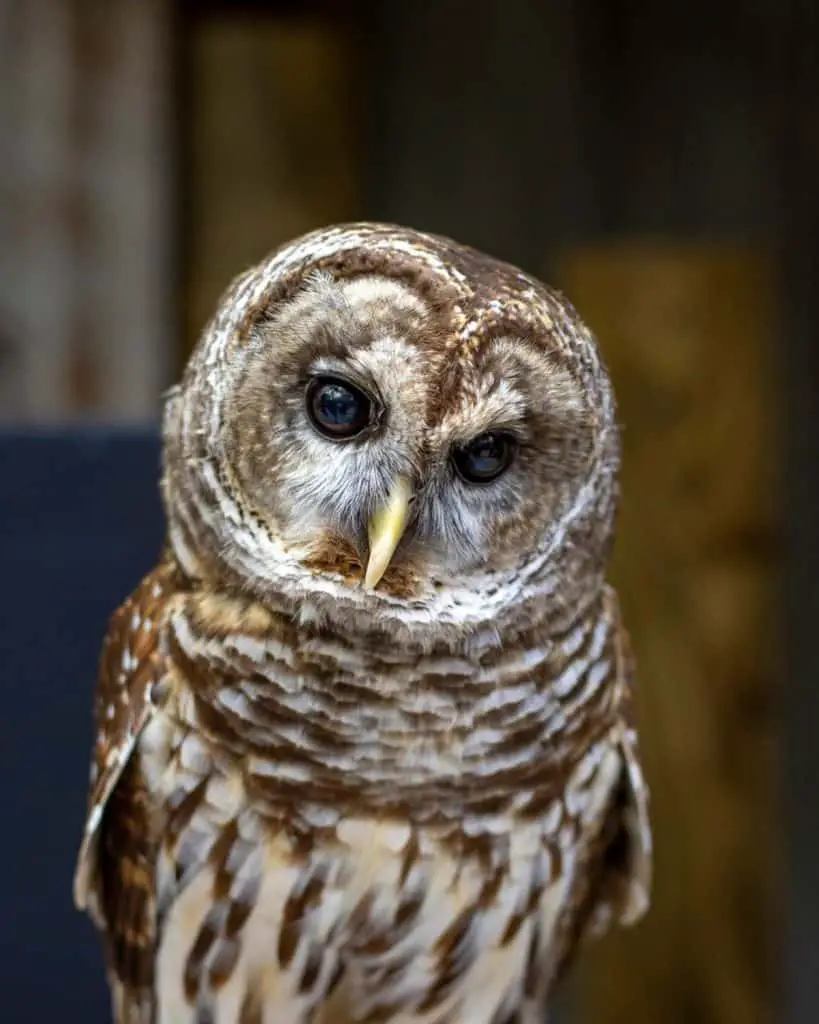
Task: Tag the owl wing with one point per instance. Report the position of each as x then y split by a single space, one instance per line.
620 889
114 879
632 895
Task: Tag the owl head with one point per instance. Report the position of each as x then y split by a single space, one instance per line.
388 429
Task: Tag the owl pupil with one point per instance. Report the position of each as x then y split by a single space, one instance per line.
337 408
338 405
485 458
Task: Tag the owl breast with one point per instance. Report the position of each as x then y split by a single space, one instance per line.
280 900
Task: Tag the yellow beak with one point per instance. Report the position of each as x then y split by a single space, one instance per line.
386 529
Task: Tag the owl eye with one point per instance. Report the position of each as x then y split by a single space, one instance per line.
485 458
337 409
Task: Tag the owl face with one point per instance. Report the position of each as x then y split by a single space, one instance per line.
393 435
348 410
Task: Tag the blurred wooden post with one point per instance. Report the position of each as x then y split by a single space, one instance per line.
270 141
86 312
685 329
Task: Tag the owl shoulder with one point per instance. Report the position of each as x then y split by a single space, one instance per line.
131 669
626 848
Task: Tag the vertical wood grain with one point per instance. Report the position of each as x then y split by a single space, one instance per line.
687 331
86 286
271 142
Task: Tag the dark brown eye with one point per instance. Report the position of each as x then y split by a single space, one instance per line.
485 458
337 408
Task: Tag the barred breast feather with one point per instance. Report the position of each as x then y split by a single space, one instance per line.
286 827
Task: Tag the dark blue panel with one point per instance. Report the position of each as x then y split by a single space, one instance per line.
80 522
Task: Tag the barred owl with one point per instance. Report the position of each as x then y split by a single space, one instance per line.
365 745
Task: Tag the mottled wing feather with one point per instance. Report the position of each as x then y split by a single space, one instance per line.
614 887
621 889
630 884
114 880
126 894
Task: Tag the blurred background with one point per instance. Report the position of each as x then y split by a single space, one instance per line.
658 162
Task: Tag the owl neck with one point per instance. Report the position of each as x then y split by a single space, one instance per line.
351 720
470 618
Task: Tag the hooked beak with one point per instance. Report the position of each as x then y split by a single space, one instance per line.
386 529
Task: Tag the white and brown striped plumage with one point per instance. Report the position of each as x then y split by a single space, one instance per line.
317 801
